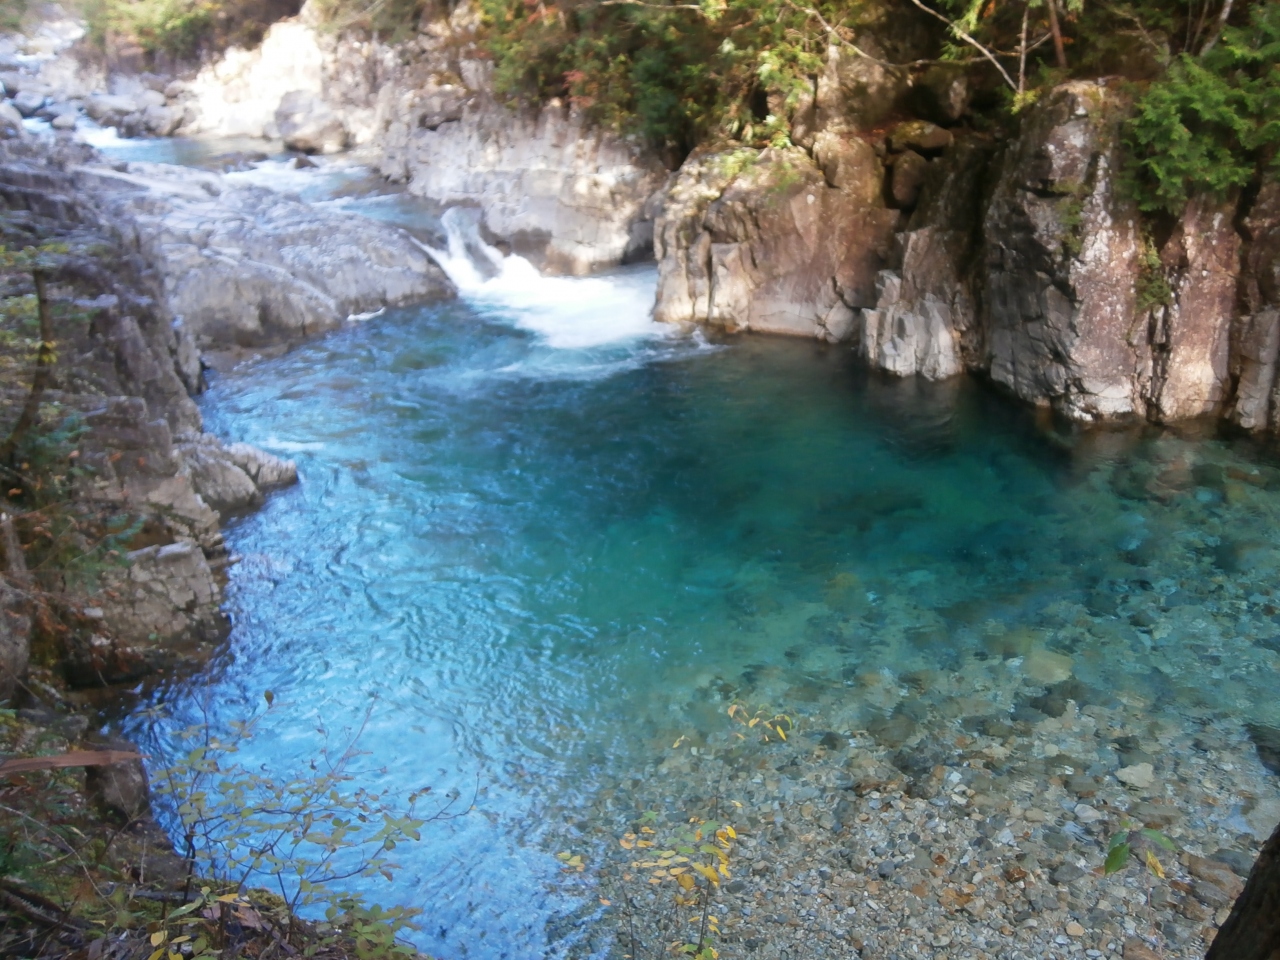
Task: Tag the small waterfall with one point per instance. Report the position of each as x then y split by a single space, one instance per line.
568 313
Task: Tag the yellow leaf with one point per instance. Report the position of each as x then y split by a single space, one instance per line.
780 732
229 898
1154 864
647 830
730 831
682 739
182 939
157 954
627 844
736 804
644 844
686 882
607 903
159 937
753 721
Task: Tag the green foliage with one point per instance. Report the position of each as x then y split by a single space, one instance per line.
1207 126
676 73
304 834
175 27
1151 284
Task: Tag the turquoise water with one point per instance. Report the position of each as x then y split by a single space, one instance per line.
541 560
540 538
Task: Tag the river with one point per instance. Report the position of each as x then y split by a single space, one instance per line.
539 538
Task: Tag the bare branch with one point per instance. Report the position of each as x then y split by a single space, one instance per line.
1223 17
955 28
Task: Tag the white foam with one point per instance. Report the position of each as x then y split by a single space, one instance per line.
102 138
282 176
361 317
567 313
290 446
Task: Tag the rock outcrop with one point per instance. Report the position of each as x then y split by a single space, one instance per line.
245 266
774 241
1060 317
571 196
127 372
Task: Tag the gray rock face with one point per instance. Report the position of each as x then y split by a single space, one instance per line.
127 372
308 124
244 266
774 241
28 102
232 478
166 595
571 196
1256 344
1062 323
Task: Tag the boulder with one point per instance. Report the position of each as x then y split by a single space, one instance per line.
161 120
231 478
166 595
10 120
942 92
243 266
28 102
308 124
107 109
119 791
906 178
921 136
63 121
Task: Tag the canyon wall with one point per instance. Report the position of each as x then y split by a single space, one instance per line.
573 197
165 264
934 251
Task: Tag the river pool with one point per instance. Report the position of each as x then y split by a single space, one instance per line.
538 539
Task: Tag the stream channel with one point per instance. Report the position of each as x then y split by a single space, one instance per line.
538 538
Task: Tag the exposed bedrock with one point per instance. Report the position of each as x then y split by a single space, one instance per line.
937 251
243 266
774 241
128 371
572 196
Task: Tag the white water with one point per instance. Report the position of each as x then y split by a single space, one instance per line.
567 313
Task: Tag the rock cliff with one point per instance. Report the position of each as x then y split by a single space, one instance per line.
935 251
166 263
573 197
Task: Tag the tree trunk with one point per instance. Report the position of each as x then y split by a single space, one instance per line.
1058 51
1252 932
39 380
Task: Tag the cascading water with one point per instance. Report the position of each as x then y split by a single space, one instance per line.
566 312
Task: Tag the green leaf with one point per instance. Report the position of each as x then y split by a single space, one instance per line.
1116 859
1159 838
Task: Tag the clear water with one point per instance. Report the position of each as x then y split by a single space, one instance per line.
548 536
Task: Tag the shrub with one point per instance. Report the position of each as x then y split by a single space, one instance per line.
1213 120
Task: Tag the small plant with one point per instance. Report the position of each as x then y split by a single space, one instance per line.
302 835
1128 842
1151 285
688 861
